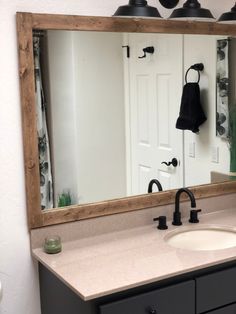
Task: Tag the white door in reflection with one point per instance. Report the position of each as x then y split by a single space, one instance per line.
152 106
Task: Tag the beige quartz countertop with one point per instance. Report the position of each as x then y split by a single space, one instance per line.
101 265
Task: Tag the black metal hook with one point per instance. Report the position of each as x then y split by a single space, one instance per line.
146 50
199 67
127 50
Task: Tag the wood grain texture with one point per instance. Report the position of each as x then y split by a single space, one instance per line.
133 25
26 23
80 212
27 88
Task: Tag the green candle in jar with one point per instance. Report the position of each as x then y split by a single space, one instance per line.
52 245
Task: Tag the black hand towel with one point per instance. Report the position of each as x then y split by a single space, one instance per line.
191 114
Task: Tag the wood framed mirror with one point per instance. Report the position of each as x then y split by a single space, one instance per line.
27 23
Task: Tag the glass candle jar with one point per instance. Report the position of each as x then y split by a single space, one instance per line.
52 245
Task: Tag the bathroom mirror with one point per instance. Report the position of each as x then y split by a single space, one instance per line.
107 136
110 114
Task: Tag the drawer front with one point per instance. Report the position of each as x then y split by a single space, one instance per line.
216 290
231 309
176 299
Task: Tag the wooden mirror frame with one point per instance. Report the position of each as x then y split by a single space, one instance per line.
26 23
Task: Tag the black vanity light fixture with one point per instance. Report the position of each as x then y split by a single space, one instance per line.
192 10
137 8
140 8
229 17
169 4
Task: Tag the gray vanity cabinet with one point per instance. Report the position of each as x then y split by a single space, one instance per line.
231 309
216 290
177 299
205 291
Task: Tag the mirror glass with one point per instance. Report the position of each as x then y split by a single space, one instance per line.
107 108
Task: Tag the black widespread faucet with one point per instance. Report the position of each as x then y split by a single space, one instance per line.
177 214
158 184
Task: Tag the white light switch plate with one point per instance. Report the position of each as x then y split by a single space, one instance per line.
191 150
215 154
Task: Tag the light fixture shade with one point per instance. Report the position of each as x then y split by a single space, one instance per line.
192 10
169 4
229 17
137 8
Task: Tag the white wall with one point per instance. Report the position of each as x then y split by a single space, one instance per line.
17 271
198 169
100 116
62 107
87 120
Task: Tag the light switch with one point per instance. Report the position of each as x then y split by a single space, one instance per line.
215 154
191 150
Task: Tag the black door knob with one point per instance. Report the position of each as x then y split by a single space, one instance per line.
146 50
173 162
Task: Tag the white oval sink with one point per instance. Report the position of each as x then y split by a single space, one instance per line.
205 238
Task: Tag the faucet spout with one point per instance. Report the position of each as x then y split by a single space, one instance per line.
177 214
158 184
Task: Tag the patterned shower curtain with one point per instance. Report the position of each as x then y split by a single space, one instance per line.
222 84
46 187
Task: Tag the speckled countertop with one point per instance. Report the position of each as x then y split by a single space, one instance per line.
107 263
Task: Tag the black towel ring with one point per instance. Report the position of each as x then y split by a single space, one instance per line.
197 67
186 76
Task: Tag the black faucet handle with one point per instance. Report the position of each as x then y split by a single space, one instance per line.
162 222
194 216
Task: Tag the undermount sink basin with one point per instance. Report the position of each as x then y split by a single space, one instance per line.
205 238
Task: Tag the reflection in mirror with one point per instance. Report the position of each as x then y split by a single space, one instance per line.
107 118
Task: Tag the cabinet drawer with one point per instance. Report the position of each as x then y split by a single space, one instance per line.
231 309
177 299
216 290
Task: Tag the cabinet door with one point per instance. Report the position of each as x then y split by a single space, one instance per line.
177 299
231 309
216 290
